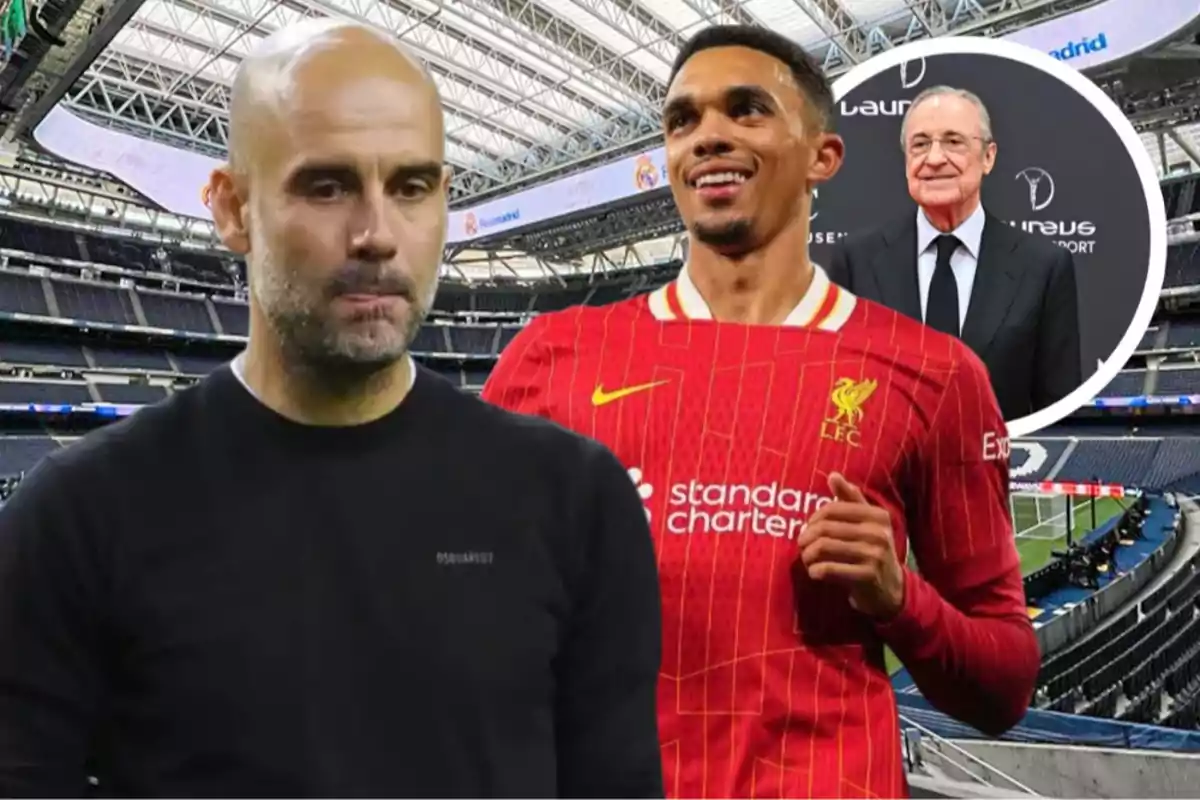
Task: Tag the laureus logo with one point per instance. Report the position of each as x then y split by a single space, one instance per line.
912 72
1041 187
820 236
1076 235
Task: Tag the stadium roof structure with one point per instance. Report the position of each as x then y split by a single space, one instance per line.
532 89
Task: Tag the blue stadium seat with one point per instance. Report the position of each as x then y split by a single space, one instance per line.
52 353
1128 383
118 358
507 334
1176 466
1183 265
32 238
494 300
431 339
1145 660
472 339
22 294
234 317
190 364
44 392
21 453
1178 381
603 295
563 298
176 312
93 301
474 377
1183 333
130 393
1123 461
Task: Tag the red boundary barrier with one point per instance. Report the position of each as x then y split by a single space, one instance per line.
1077 489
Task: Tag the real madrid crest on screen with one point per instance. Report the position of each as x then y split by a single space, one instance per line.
645 173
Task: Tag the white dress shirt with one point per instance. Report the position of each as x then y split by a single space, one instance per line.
963 262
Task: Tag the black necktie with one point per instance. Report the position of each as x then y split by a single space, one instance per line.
941 310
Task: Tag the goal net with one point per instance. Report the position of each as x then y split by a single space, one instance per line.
1041 515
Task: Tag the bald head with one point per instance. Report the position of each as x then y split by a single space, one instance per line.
305 67
335 191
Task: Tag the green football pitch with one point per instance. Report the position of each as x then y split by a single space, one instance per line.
1036 540
1041 530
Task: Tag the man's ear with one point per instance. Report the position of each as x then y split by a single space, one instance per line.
828 153
228 210
990 150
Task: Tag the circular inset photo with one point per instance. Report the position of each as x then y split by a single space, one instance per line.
995 193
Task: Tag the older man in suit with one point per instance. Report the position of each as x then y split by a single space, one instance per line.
1008 294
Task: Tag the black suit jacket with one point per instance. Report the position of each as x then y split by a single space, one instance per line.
1023 315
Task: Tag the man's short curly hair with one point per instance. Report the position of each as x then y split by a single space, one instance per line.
804 69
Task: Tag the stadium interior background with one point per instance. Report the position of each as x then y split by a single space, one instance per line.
111 299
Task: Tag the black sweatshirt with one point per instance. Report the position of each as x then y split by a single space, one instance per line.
208 600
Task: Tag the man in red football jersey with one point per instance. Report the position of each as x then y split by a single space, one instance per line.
791 443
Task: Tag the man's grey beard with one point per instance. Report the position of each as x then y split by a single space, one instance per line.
314 340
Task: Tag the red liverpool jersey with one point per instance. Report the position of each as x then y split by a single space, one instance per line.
772 685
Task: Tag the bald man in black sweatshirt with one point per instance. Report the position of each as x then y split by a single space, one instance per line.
324 570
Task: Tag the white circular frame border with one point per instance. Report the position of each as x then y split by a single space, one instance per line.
1156 268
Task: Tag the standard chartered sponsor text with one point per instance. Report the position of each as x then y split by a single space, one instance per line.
765 510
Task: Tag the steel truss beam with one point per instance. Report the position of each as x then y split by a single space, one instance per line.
847 36
181 33
125 91
1181 197
510 124
36 165
526 18
48 64
850 44
1156 104
998 17
512 118
91 202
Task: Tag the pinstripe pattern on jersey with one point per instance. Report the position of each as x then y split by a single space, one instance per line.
771 685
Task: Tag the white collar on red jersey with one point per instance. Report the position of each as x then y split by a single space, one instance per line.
825 306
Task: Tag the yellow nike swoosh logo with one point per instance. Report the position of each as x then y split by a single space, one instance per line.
603 398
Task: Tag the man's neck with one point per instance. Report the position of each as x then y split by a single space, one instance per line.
761 288
949 218
306 396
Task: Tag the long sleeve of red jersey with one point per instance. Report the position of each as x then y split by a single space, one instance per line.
963 632
520 378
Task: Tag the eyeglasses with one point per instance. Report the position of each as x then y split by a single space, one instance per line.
953 143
